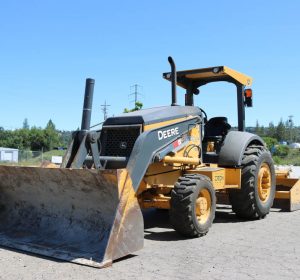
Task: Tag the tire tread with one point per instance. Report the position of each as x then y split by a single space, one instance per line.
181 212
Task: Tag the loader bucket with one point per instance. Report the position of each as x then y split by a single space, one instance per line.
85 216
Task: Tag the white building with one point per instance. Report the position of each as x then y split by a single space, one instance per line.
9 155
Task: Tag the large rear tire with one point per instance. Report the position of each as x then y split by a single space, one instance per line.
256 196
193 205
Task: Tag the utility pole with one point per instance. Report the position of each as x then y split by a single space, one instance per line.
104 110
135 91
291 126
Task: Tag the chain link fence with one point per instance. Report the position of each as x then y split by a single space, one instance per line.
282 155
30 158
34 158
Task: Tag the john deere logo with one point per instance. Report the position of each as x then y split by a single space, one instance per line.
163 134
123 145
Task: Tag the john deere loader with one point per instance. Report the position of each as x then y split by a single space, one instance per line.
88 211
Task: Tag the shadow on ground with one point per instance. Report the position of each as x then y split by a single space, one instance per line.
125 258
157 225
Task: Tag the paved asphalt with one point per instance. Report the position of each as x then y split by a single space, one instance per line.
233 249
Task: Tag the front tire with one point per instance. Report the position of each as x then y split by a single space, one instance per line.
255 198
193 205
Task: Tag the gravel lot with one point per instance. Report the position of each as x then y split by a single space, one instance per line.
233 249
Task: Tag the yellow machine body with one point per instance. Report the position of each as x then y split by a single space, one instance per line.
158 182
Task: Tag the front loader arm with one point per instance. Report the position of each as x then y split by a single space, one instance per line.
153 145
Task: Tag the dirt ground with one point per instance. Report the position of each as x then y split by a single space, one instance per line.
233 249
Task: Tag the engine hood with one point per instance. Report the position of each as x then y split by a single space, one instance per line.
154 115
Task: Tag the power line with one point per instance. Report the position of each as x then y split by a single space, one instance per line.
104 110
135 91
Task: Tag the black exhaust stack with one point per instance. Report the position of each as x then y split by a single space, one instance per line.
84 141
87 106
173 80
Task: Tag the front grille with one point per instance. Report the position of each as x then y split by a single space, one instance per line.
118 141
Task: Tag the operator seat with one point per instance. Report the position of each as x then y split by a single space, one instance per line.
215 131
216 128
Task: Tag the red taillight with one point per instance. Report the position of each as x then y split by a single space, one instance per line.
248 93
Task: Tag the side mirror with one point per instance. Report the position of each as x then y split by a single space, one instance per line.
248 97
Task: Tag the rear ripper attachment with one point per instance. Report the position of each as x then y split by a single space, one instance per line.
287 194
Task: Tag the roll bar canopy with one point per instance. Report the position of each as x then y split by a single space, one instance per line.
202 76
191 80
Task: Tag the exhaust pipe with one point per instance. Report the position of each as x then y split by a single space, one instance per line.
77 150
87 106
174 81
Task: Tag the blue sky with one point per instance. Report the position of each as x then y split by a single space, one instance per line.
49 48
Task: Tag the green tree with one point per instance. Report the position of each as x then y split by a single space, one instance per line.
6 138
271 130
50 125
297 134
256 127
138 106
65 138
261 131
22 138
37 139
25 124
51 136
281 131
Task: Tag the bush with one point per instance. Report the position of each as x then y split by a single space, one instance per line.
277 160
270 142
281 150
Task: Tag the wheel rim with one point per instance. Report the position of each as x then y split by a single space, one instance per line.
203 206
264 182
